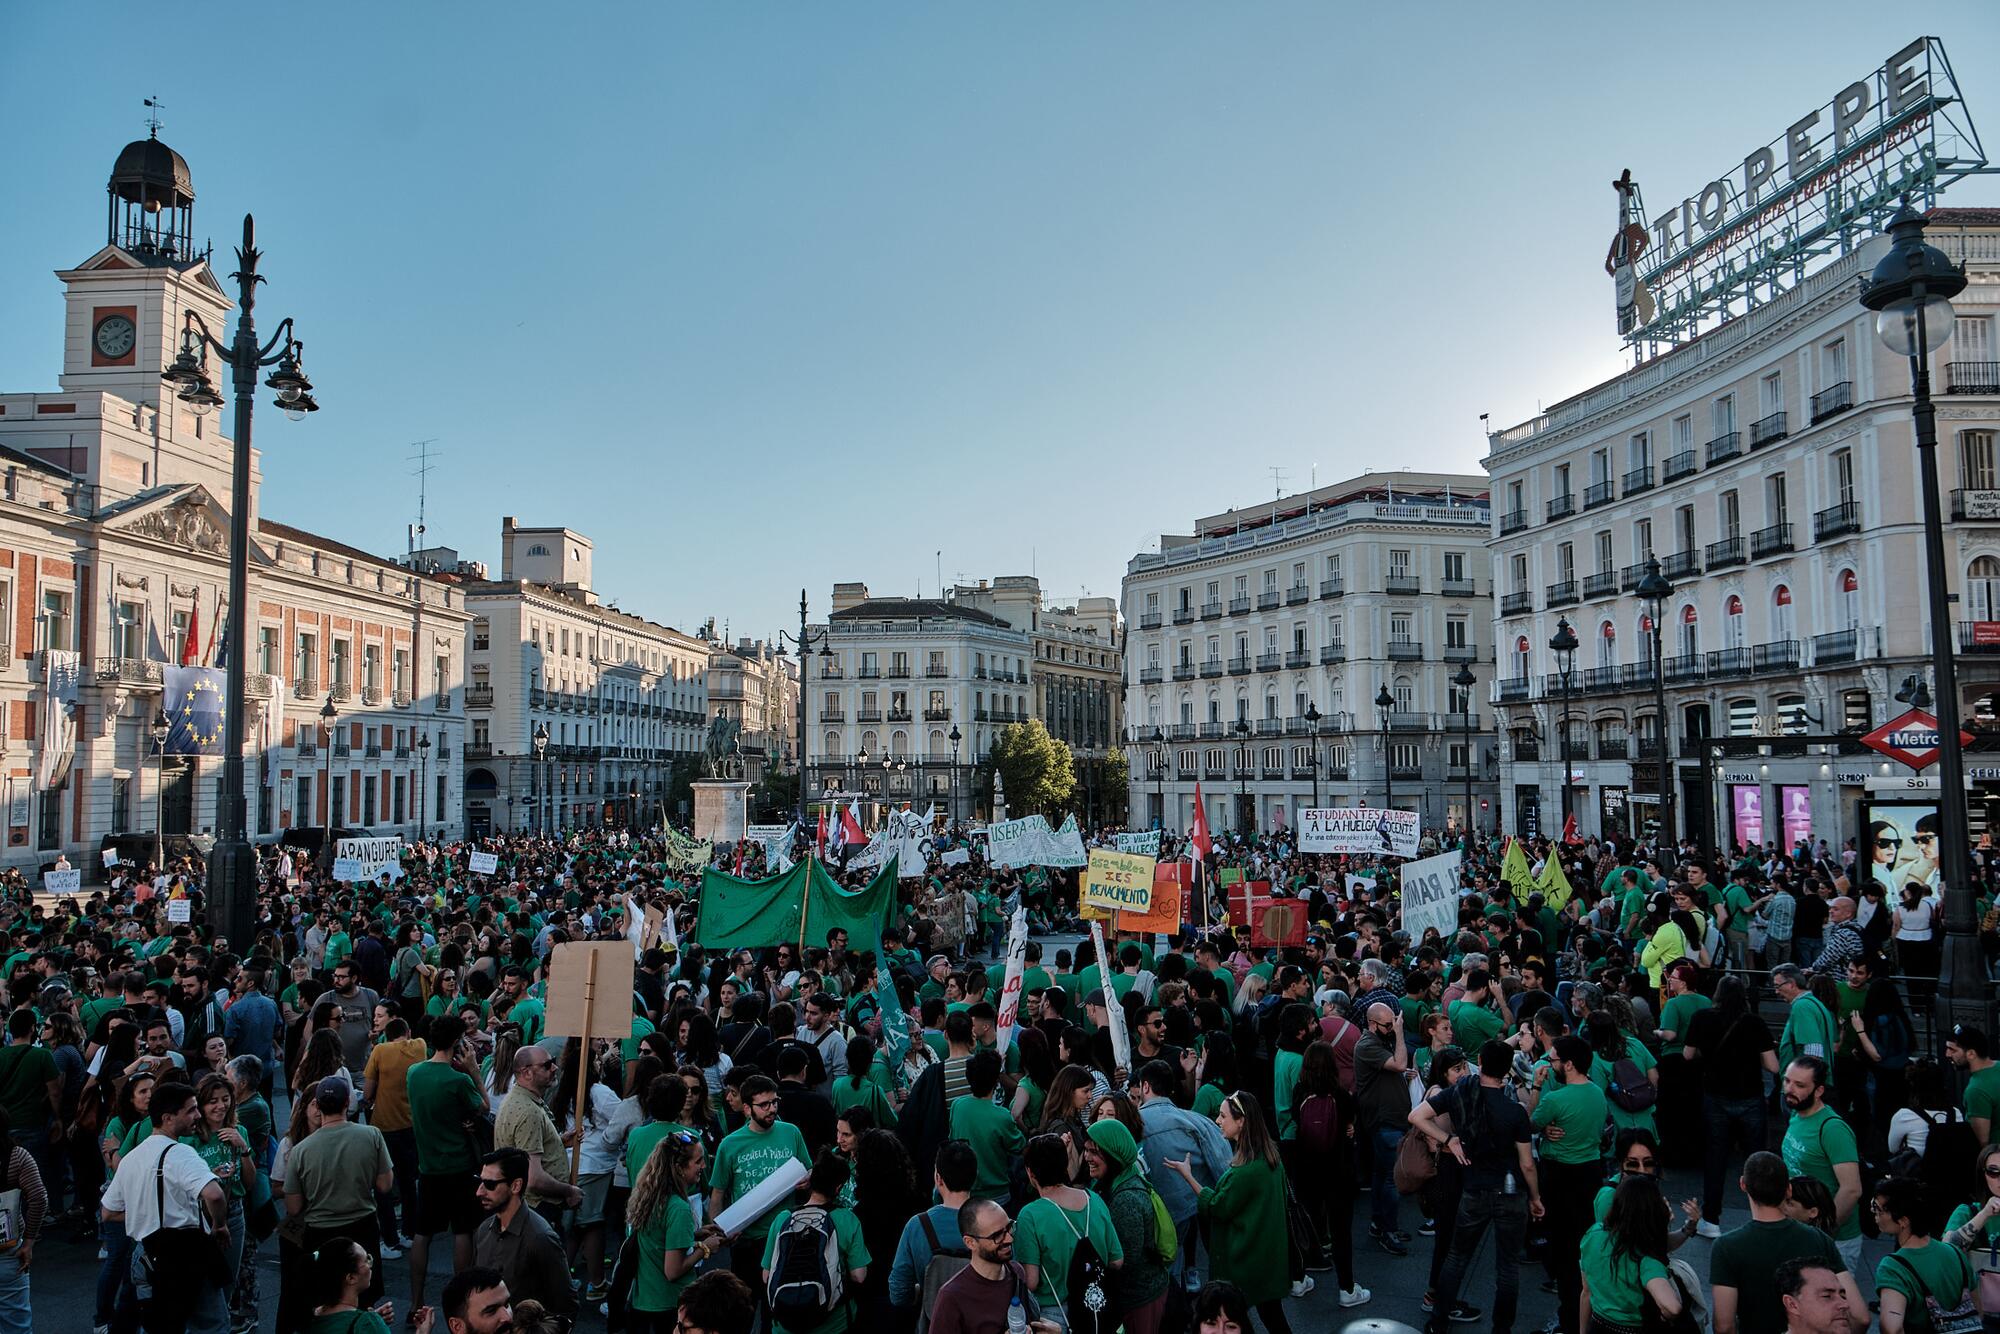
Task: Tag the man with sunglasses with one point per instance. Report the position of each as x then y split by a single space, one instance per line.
524 1123
977 1298
517 1241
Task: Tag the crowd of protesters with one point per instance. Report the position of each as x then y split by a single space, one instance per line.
1182 1137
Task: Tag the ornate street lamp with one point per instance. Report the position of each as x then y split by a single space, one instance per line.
540 740
1464 680
1242 765
327 714
423 779
1564 645
1384 703
1655 589
1312 722
804 641
162 728
955 737
1159 739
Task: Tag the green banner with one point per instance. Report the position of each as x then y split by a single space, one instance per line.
802 904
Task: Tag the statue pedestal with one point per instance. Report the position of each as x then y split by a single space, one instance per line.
721 809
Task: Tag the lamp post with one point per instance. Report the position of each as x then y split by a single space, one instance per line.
232 884
1384 702
540 741
1159 739
1910 293
1242 765
1563 643
161 729
423 780
955 737
1464 680
804 641
1312 722
327 713
1655 589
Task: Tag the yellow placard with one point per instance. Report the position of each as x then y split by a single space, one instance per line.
1119 881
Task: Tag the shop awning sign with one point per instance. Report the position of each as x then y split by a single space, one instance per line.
1911 739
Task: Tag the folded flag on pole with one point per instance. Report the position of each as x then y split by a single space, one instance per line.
1204 846
850 824
1554 884
1515 871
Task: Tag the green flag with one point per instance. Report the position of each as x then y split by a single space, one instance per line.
803 904
1515 871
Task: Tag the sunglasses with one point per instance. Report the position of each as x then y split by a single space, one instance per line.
488 1183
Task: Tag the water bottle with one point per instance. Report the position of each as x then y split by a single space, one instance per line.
1017 1317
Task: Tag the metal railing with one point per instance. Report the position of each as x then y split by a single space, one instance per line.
1513 604
1680 564
130 672
1975 504
1639 479
1561 593
1599 493
1770 541
1562 506
1513 521
1724 448
1402 585
1332 588
1768 430
1458 588
1406 650
1837 521
1728 662
1838 646
1832 401
1678 466
1778 656
1729 551
1603 584
1972 377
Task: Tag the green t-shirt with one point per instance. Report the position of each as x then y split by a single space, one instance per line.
853 1255
1045 1234
441 1098
746 1156
1812 1146
1284 1079
1982 1094
25 1073
1675 1017
1601 1072
1937 1270
1745 1257
338 946
90 1012
640 1143
671 1228
530 1015
222 1160
1472 1026
996 1141
1809 1031
1617 1283
1580 1109
1208 1100
347 1322
1737 899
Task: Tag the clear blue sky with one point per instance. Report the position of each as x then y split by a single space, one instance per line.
762 295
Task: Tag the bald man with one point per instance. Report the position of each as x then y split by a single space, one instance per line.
1382 1092
1843 938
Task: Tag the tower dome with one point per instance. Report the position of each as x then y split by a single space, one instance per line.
152 203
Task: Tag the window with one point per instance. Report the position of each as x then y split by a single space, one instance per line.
1792 715
399 671
1972 338
538 550
1604 556
337 815
1732 622
1833 362
1600 466
368 793
1270 581
935 667
1781 614
341 649
1847 598
1565 562
48 822
1775 509
56 631
1515 500
129 632
1742 717
1729 517
267 650
1518 568
1690 630
1399 564
1843 476
1982 588
1562 479
1406 757
1723 415
1454 567
1975 460
1684 527
1399 628
1642 541
121 805
1771 390
1854 711
442 678
1607 645
1454 632
1639 451
305 663
899 664
1521 656
1683 433
397 786
371 666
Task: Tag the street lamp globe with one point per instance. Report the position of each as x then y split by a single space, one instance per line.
1911 289
162 729
1312 716
954 736
1654 587
1384 700
1564 640
1465 680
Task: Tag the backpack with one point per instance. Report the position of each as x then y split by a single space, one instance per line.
1630 1089
945 1264
807 1284
1083 1300
1950 1151
1963 1315
1319 1124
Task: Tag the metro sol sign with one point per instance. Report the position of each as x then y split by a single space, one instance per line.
1911 739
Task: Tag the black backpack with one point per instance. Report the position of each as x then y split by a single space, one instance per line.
1630 1089
1084 1300
807 1283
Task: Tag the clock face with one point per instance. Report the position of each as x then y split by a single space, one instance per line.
115 336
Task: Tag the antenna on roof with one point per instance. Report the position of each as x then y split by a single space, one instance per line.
155 106
421 453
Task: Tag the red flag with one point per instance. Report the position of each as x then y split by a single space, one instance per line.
850 827
1569 830
1204 846
819 839
190 645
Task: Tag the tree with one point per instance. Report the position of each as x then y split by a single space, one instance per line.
776 796
1039 771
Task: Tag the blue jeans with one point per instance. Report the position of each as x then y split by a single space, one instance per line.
116 1304
1727 1119
1506 1216
1386 1201
15 1307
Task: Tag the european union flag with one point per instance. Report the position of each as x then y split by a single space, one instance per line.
193 704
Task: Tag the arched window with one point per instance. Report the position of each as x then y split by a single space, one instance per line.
1271 703
538 550
1792 715
1742 717
1521 656
1982 589
939 750
1847 599
1405 694
1607 645
1732 622
1242 706
1781 614
899 743
831 750
868 746
1690 630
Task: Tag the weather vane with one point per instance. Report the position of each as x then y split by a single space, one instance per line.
156 106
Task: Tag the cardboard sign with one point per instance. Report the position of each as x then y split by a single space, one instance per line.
1146 844
956 857
606 994
1010 989
62 882
180 910
483 863
111 856
1430 895
1271 922
1164 916
1118 881
347 869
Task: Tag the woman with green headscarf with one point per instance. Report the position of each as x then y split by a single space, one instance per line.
1138 1291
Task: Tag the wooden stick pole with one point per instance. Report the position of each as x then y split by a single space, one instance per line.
805 910
583 1065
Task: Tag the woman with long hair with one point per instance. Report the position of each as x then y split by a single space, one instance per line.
1245 1211
1975 1225
663 1227
885 1198
1038 1075
1115 1106
131 1119
1324 1113
1069 1097
340 1273
861 1086
1215 1069
698 1113
294 1286
1219 1308
444 992
1624 1261
222 1146
322 1057
698 1048
1808 1201
500 1065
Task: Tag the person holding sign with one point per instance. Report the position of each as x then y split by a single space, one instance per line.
744 1158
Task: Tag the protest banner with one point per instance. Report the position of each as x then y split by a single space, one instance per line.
1121 1042
1360 886
956 857
62 882
377 856
1515 872
1022 842
1144 845
484 863
347 869
1118 881
111 856
1271 921
1010 989
1359 830
180 910
1163 917
1065 847
1430 895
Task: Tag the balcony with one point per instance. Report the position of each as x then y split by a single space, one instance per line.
141 673
831 672
1682 667
306 687
1332 653
1211 668
1297 594
1680 565
1725 447
1646 748
868 715
341 750
1461 653
340 692
1184 615
308 750
1404 720
1678 466
1267 600
1597 680
1552 683
1837 521
1575 750
1513 521
1406 650
1181 732
371 696
1603 584
1972 377
1298 658
900 672
1768 430
1513 690
1335 773
1611 748
1214 731
833 716
1833 400
1981 637
1729 551
1562 593
1239 606
1403 769
1270 662
1779 656
1240 665
1639 479
1211 611
371 752
1636 675
1527 748
900 715
1840 646
1458 588
1183 671
1151 620
1629 577
444 701
1332 588
476 697
1772 541
1729 662
1599 493
1975 506
1562 507
1515 604
1152 676
1402 586
1270 727
1274 773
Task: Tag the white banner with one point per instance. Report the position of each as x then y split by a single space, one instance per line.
1010 989
377 856
1022 842
1430 896
1121 1044
111 856
484 863
62 882
347 869
1362 830
956 857
1360 886
912 857
17 802
59 698
1144 845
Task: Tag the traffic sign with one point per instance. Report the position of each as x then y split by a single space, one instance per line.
1911 739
